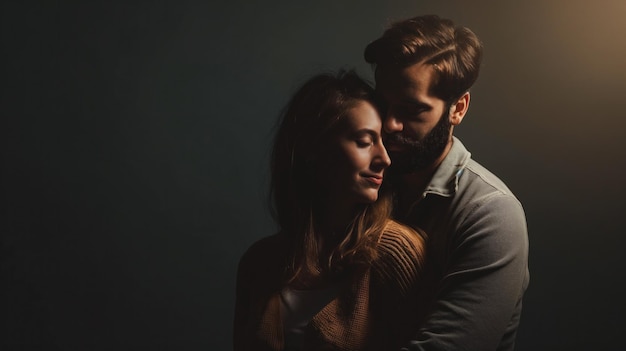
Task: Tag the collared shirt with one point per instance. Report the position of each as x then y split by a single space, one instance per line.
477 257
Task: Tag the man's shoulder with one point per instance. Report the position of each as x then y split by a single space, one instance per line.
483 184
482 197
460 176
478 192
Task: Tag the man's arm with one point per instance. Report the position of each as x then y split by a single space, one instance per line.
477 302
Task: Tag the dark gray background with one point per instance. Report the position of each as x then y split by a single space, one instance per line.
136 136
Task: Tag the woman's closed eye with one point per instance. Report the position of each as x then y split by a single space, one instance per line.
365 141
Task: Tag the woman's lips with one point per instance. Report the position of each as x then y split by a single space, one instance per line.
374 179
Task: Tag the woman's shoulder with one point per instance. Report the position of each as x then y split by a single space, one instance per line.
263 251
266 243
400 239
400 257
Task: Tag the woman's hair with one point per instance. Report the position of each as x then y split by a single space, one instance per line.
306 134
454 52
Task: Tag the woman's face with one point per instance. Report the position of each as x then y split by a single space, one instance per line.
359 159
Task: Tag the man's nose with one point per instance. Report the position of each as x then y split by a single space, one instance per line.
392 124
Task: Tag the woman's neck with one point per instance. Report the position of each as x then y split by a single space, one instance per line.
335 219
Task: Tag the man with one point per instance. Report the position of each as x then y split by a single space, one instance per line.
477 237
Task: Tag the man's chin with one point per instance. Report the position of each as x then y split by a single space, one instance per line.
401 162
409 162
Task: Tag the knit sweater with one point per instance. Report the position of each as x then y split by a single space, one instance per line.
374 310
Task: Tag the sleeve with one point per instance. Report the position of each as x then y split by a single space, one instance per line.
256 273
400 259
396 275
478 301
242 305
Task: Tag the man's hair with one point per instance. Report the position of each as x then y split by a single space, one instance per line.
455 52
302 147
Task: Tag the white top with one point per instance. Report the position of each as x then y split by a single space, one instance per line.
298 307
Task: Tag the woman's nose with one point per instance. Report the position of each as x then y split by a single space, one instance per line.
381 159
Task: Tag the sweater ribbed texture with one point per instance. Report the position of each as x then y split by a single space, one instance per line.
370 310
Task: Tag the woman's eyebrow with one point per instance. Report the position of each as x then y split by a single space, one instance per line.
371 132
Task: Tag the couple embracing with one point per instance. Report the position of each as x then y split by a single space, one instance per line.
391 236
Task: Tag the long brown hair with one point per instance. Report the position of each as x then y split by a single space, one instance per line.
309 123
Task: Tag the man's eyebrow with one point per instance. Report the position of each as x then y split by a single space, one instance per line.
416 103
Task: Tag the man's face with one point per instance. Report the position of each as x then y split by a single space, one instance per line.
417 125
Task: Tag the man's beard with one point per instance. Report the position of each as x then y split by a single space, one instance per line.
419 154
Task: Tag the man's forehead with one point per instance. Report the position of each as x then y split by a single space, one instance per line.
417 76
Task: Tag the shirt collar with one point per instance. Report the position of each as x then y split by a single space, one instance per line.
445 181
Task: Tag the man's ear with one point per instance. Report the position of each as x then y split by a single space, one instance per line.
459 109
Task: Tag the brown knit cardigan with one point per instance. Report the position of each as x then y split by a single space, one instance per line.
376 310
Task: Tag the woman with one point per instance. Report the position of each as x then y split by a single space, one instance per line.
339 275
